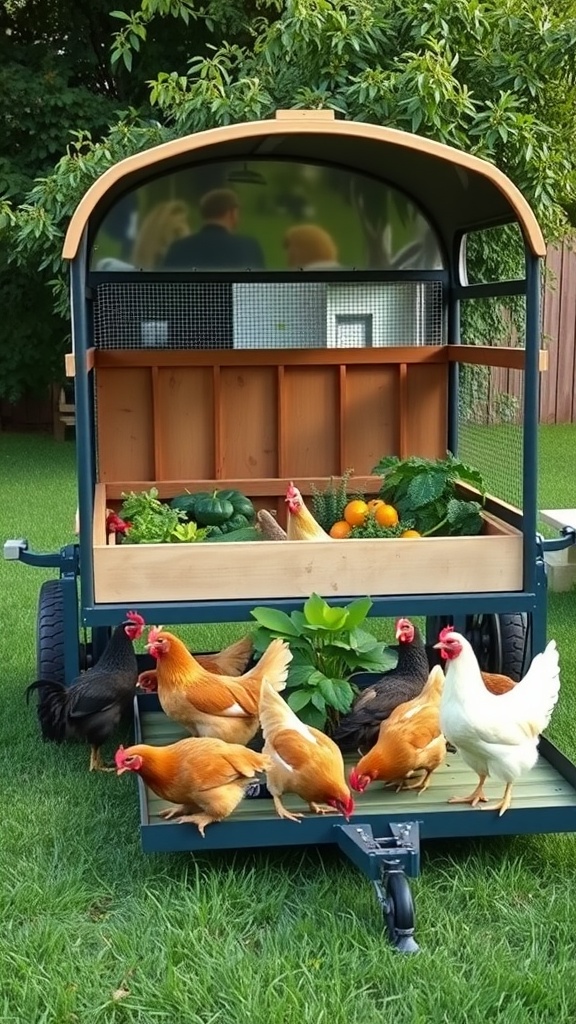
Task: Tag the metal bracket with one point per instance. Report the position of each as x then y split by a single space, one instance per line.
400 850
566 540
387 861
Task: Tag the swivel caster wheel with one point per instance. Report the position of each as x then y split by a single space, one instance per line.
398 911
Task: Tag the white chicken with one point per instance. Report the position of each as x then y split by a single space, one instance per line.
496 735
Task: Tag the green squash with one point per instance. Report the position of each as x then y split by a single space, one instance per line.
185 503
212 510
235 522
241 504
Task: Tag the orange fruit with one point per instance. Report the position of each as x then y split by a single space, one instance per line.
410 533
355 512
340 530
386 515
375 504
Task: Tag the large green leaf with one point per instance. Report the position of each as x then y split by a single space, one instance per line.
318 701
357 612
343 695
314 610
299 675
275 620
426 488
298 699
313 717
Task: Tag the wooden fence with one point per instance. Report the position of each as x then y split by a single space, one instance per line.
558 384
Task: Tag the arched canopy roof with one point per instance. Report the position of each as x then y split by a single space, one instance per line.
457 191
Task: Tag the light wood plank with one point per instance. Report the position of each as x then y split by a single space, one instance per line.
264 569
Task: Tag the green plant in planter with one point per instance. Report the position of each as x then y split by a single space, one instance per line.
329 647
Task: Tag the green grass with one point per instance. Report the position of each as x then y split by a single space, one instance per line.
95 932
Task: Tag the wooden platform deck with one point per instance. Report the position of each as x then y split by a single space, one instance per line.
544 801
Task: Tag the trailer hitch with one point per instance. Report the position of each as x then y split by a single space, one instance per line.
387 861
66 559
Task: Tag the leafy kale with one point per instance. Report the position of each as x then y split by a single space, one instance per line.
426 492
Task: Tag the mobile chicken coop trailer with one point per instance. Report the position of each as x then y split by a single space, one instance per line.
188 377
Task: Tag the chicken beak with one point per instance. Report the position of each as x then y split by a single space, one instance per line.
440 646
120 771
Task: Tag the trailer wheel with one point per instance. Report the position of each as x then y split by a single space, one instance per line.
50 632
399 912
500 642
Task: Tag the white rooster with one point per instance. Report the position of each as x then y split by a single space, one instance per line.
496 735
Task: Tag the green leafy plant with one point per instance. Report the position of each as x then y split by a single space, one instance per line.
328 505
152 522
189 533
328 646
425 492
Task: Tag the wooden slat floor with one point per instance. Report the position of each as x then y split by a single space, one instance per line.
543 787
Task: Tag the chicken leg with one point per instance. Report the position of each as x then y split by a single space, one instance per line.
475 798
282 812
200 820
320 809
96 762
421 784
503 805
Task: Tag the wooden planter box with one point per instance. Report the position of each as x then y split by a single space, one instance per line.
135 574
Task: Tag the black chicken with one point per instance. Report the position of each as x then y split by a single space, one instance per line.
90 709
358 730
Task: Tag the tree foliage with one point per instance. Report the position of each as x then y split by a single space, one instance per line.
495 78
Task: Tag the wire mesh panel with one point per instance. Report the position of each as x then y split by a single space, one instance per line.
298 314
491 398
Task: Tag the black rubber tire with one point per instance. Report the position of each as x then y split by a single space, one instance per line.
501 642
50 632
399 912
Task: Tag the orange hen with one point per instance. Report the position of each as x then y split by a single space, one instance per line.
409 741
232 661
205 778
207 703
303 761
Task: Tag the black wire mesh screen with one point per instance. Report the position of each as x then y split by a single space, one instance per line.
299 314
491 398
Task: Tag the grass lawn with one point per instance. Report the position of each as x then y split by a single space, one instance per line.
94 932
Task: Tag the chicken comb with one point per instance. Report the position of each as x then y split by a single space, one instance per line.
154 633
136 618
292 492
444 632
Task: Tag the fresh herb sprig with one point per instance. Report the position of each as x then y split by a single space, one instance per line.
328 505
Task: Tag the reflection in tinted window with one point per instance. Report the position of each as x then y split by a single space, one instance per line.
265 215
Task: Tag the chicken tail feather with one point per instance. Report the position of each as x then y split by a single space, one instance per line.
274 712
237 656
273 664
51 710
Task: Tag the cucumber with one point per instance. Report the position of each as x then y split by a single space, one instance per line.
248 534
